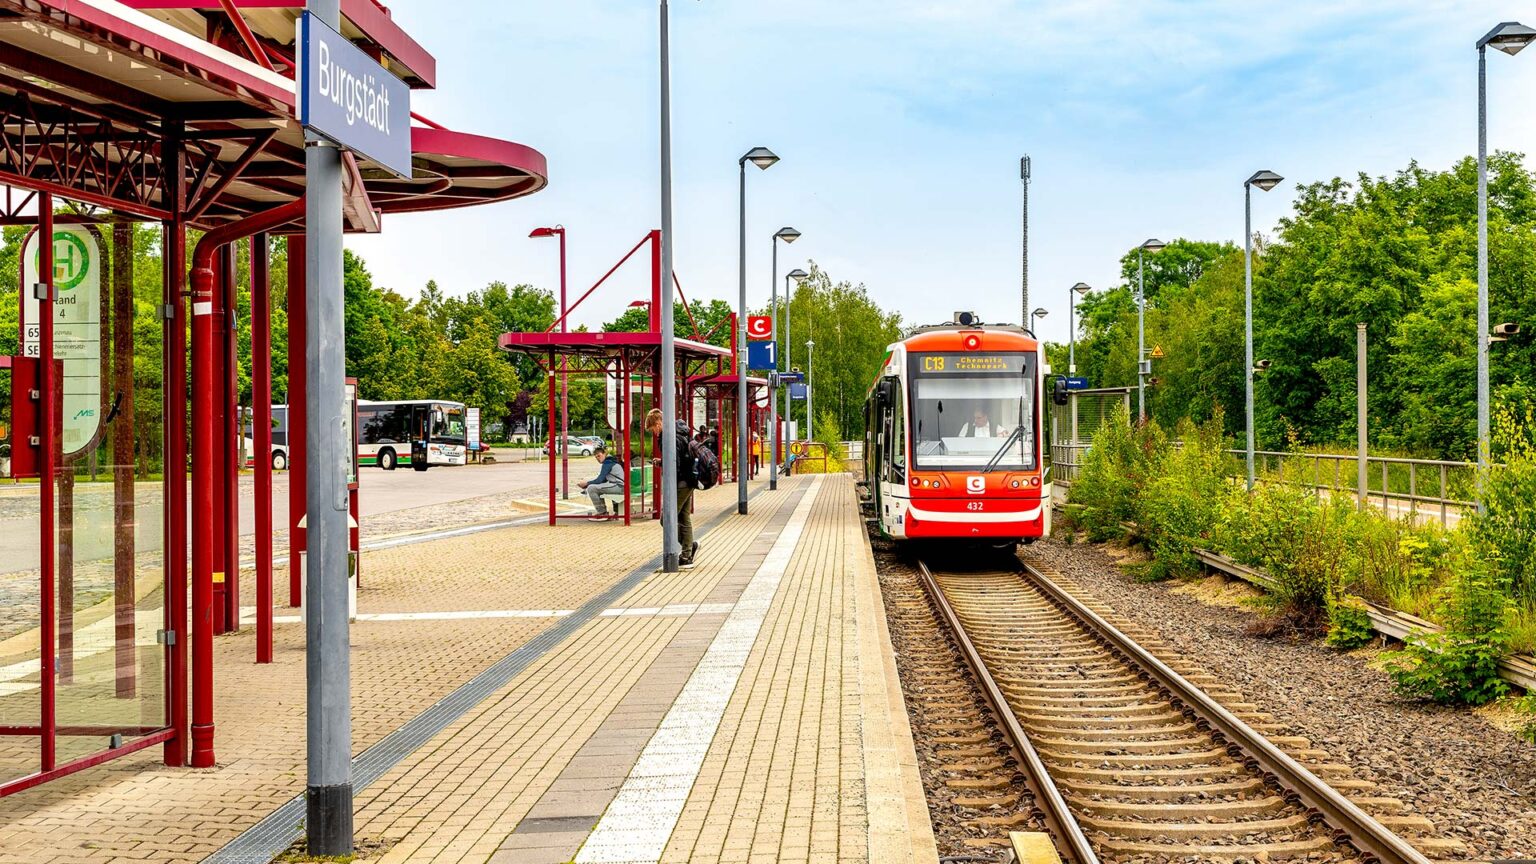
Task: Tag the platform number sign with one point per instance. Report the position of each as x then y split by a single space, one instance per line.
76 326
759 327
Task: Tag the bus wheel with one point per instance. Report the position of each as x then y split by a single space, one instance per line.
279 461
387 460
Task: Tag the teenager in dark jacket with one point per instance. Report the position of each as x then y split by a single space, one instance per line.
684 485
609 481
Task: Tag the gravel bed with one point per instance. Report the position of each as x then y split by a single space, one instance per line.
1474 781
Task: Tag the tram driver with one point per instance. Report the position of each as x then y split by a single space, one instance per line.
981 425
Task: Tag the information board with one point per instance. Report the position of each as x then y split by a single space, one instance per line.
472 428
76 326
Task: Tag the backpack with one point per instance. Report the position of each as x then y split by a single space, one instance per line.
706 466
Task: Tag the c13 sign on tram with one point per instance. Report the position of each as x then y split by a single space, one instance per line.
349 98
76 326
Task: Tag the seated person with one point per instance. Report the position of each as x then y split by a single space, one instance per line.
980 426
609 481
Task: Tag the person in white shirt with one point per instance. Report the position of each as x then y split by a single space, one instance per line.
980 426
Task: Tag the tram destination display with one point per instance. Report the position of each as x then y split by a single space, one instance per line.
970 363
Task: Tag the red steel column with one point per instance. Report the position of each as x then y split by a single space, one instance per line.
173 240
219 478
261 436
296 373
49 439
551 436
205 525
231 440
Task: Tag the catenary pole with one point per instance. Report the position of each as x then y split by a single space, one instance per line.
327 672
670 551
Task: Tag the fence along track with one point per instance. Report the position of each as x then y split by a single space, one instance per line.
1150 764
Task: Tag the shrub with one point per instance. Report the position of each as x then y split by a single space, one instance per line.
1505 534
1349 623
1121 460
1527 705
1460 664
1181 506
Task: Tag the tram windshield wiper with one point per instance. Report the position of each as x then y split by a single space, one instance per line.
1015 435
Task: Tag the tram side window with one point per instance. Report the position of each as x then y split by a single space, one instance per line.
898 439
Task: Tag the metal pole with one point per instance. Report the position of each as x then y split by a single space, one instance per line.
670 549
773 395
1248 322
1141 336
328 674
1361 441
1071 333
565 386
742 431
1482 272
810 394
1024 243
261 436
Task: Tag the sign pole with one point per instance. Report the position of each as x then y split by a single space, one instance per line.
327 640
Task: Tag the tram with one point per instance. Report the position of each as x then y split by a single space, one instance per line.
953 433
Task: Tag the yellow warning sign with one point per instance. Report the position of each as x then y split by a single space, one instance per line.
1157 352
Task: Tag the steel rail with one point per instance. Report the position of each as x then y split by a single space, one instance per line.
1059 821
1352 826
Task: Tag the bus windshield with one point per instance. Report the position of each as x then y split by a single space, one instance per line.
450 429
973 411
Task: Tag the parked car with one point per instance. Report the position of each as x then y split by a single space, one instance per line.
572 446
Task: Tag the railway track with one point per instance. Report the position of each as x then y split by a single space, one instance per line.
1125 758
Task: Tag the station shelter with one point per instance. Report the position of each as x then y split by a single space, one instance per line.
630 364
134 134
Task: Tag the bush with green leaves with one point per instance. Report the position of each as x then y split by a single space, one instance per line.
1461 663
1504 534
1181 506
1349 622
1115 467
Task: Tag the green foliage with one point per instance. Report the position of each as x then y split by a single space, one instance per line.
1114 469
1182 504
1461 663
1526 705
1349 623
1398 252
1505 534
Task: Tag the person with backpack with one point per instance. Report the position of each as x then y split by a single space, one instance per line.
691 475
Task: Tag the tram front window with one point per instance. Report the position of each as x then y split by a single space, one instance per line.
965 420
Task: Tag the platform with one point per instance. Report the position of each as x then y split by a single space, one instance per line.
533 694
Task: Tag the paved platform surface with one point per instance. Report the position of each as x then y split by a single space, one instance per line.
582 708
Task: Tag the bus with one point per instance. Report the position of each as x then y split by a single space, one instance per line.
419 433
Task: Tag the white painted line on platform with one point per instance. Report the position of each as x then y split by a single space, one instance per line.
248 613
640 821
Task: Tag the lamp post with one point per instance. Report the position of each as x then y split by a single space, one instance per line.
1040 314
1509 37
797 276
1153 246
671 551
788 235
1081 289
1265 180
565 401
764 159
810 392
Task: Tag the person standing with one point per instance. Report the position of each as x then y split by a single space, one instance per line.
685 539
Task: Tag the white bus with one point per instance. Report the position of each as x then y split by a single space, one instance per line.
419 433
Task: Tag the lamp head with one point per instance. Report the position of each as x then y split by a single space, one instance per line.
1154 245
1081 288
788 234
546 232
797 274
1265 180
1509 37
1041 312
762 157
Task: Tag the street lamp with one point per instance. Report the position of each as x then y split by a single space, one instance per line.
671 551
1081 289
1142 364
764 159
810 392
565 401
788 235
1509 37
1041 313
1265 180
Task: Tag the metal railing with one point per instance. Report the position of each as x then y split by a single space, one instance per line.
1420 488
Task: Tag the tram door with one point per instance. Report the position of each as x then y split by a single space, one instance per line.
82 608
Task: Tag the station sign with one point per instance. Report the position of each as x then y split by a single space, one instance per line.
790 377
76 326
797 392
346 96
1077 383
762 355
759 327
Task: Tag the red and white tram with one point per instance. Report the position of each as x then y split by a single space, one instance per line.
954 429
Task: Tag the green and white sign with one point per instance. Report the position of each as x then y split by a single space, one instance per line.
76 326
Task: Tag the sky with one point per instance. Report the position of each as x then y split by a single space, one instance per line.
900 124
